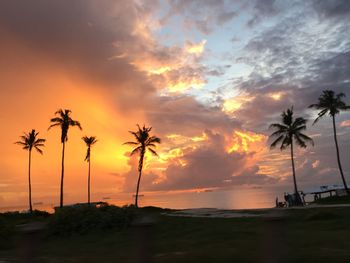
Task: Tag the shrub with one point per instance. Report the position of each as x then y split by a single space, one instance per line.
84 218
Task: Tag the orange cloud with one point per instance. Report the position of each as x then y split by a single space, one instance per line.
246 141
345 123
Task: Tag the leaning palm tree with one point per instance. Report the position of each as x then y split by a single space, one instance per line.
286 133
332 103
29 141
64 121
143 142
89 141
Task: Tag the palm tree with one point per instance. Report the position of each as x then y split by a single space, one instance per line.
89 141
143 142
64 121
287 132
29 141
332 103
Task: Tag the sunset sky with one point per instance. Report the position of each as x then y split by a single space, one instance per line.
208 75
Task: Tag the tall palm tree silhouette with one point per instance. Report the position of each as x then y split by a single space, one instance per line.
332 103
64 121
28 142
286 133
143 142
89 141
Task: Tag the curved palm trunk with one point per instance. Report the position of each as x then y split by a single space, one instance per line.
142 154
62 174
89 182
338 155
30 184
296 192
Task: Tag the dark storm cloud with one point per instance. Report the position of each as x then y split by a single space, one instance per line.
80 36
332 8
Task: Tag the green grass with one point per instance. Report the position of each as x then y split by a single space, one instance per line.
302 235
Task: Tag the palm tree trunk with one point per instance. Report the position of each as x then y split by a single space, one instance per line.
89 182
338 155
293 167
62 174
29 181
294 175
140 173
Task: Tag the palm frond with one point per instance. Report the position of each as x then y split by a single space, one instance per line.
30 140
137 149
75 123
278 126
131 143
53 125
306 138
300 128
299 141
278 133
274 144
153 152
299 121
56 120
38 149
136 135
320 115
153 139
286 142
329 102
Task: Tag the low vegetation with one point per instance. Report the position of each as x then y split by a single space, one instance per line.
109 234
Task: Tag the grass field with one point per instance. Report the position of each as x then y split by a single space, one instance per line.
300 235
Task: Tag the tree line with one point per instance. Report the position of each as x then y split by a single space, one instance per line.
29 141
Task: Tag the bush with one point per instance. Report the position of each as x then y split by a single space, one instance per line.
84 218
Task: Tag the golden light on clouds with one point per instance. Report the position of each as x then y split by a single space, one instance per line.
159 70
246 141
201 138
276 95
195 49
182 85
234 104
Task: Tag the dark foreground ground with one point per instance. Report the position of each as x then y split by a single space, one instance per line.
291 235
